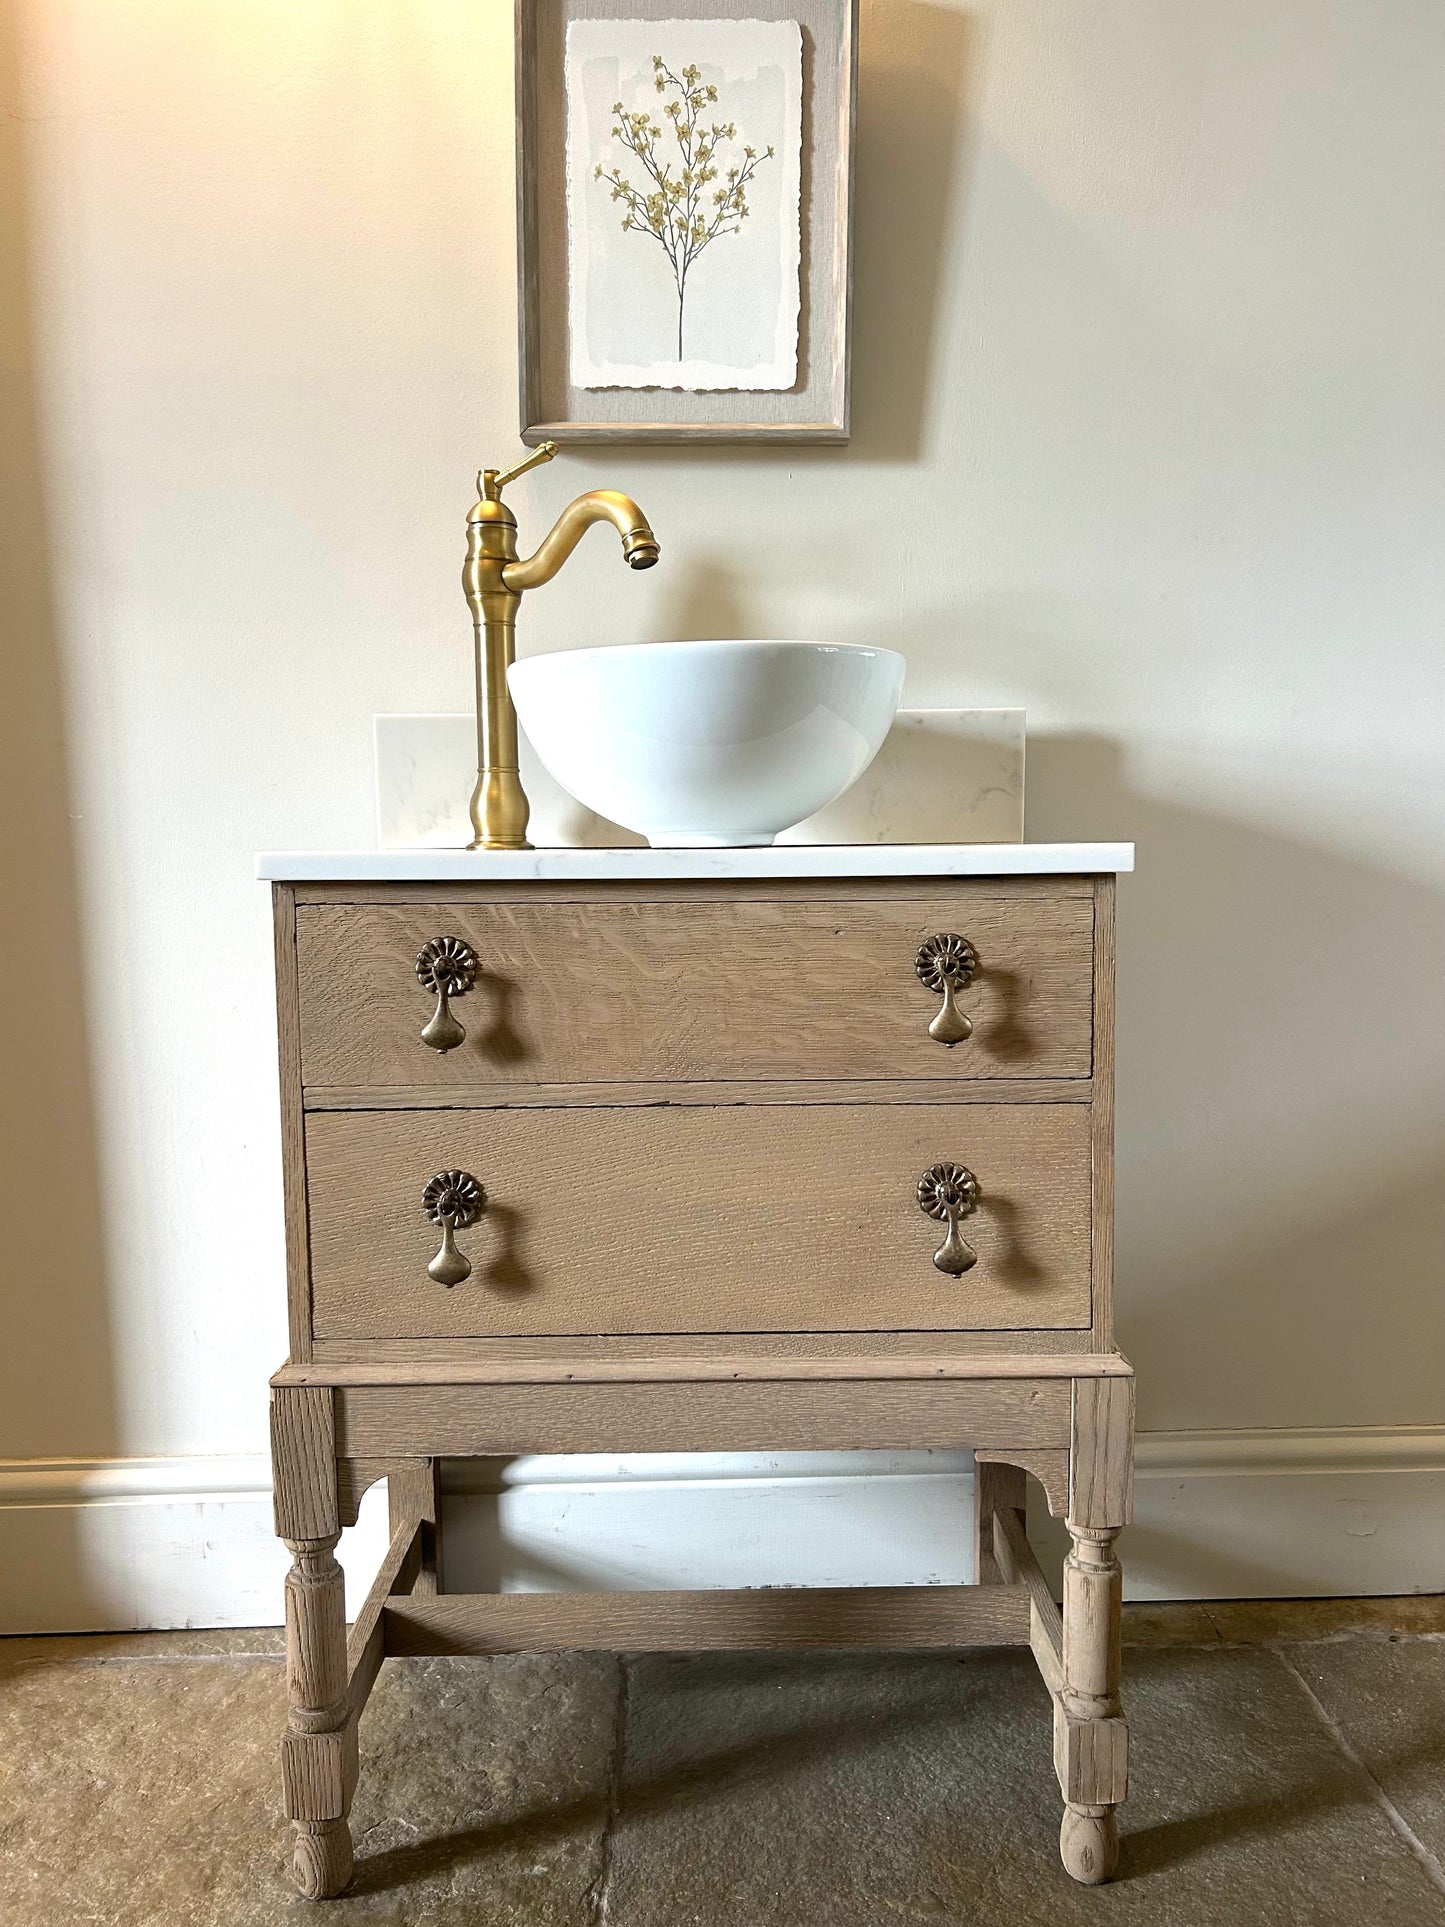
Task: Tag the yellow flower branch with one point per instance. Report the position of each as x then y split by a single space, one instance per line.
677 205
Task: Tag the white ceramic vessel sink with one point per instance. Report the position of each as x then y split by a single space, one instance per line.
697 743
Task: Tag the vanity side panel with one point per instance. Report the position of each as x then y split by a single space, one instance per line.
293 1123
1103 1116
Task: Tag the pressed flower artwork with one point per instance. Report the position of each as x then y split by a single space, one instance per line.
684 142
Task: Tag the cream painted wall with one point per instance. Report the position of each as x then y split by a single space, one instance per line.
1149 405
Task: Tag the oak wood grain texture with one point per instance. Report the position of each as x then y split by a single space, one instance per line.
609 991
1089 1844
303 1462
1091 1740
921 889
699 1220
365 1644
1101 1457
485 1421
473 1355
1017 1565
1048 1464
318 1749
996 1488
414 1492
354 1477
1090 1735
669 1096
771 1619
1103 1150
315 1639
816 408
580 1369
293 1159
1091 1757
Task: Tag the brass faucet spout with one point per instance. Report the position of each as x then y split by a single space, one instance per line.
639 544
493 581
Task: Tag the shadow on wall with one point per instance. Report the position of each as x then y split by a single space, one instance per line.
56 1396
920 66
921 63
1281 1148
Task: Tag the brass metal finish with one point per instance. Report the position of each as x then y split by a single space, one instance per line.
946 963
494 581
949 1192
454 1200
447 967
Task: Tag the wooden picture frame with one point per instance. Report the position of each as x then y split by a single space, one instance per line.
816 408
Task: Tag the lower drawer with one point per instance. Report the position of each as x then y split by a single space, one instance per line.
731 1218
726 1219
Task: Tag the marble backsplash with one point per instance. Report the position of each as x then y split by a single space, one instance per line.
943 775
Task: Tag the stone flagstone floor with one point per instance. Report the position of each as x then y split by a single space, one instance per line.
1289 1767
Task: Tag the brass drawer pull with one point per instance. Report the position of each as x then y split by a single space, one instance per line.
454 1200
946 964
448 967
949 1192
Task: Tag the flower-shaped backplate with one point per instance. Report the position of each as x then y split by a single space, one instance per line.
446 966
948 1190
454 1197
946 959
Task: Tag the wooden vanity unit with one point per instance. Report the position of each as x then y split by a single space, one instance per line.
643 1151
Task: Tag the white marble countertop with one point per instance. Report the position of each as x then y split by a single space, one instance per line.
676 866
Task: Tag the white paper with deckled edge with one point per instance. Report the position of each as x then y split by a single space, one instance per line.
742 296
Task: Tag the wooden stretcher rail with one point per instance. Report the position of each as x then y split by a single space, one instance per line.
781 1618
1019 1567
365 1648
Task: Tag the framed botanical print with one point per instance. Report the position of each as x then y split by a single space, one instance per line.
684 219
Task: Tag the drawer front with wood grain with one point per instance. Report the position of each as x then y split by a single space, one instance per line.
727 1219
717 989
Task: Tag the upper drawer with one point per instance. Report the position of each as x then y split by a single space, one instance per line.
590 992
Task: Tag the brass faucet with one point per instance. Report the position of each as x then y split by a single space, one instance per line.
494 581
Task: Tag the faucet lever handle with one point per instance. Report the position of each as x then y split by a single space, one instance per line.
490 483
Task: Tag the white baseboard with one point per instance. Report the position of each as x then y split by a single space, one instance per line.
123 1543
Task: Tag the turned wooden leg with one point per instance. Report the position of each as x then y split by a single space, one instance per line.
1090 1737
318 1753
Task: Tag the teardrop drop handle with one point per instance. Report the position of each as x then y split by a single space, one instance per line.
946 963
443 1032
950 1026
454 1200
949 1192
955 1255
447 967
450 1266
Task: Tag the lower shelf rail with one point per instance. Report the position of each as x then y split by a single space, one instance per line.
771 1618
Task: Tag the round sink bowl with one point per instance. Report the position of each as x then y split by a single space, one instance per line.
708 743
